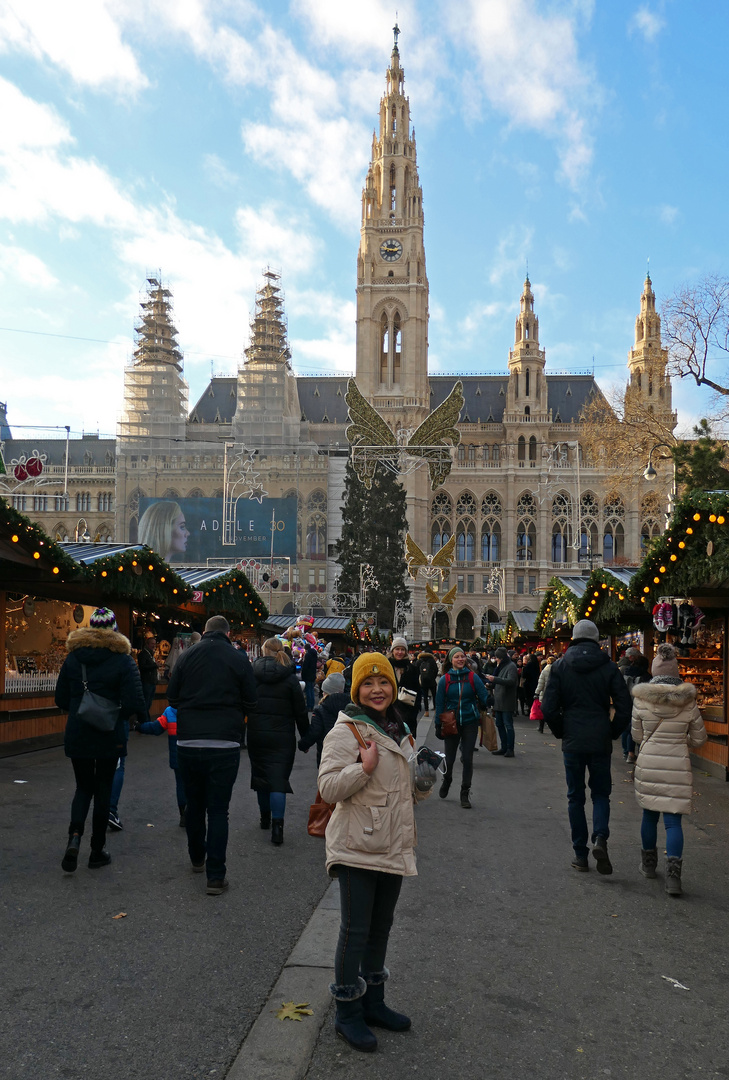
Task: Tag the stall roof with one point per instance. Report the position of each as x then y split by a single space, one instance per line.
85 554
524 620
282 622
194 576
576 585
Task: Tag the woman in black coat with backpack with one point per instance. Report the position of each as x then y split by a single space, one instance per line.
110 672
272 733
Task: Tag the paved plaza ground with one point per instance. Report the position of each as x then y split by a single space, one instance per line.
510 963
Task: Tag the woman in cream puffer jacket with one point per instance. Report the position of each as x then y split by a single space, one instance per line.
666 723
370 841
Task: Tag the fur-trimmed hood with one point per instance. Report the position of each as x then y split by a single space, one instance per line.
88 637
660 693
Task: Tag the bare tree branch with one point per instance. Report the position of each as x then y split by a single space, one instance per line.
696 333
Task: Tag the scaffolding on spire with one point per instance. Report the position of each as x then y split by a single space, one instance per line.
155 392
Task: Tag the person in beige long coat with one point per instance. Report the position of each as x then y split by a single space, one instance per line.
666 723
370 841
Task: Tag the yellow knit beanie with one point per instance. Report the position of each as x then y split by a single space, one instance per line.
373 663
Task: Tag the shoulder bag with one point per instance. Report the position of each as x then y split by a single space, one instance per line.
320 811
97 711
447 719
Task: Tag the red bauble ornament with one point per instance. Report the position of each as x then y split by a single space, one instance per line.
34 466
20 472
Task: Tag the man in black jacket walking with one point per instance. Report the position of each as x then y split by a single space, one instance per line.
576 706
212 687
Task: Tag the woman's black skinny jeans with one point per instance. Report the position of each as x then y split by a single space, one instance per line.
368 899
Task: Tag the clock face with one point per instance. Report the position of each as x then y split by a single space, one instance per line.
390 250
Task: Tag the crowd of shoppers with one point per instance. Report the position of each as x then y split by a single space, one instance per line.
363 728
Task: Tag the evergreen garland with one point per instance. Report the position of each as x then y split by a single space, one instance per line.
32 539
694 550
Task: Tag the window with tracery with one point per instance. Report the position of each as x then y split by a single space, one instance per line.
466 504
526 504
441 505
650 520
589 516
491 511
561 526
613 540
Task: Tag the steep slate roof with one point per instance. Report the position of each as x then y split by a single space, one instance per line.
484 401
55 449
322 397
217 402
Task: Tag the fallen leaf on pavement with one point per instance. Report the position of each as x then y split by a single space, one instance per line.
121 915
675 982
150 826
290 1011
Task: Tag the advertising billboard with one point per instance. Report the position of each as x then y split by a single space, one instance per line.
191 530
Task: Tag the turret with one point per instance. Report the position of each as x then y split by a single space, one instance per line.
649 383
527 393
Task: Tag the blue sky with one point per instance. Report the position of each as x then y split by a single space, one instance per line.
209 138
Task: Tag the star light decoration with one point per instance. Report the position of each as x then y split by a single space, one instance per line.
241 481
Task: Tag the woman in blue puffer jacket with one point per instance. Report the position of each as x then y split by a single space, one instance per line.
461 690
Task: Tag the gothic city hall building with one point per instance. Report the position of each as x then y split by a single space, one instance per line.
524 498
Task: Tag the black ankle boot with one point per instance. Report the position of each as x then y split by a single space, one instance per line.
265 819
277 831
376 1013
445 786
465 801
349 1022
70 859
98 859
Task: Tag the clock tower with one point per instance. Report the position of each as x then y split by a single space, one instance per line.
392 287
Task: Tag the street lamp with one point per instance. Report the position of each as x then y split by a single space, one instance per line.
650 474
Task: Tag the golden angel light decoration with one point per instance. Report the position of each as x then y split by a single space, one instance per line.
374 444
433 567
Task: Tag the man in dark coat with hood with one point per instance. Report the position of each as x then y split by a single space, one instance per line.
576 706
212 687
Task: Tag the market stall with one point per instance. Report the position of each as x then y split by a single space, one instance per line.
683 589
48 589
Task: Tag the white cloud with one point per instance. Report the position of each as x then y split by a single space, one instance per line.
647 23
218 172
79 36
531 71
355 27
272 235
668 214
25 267
512 253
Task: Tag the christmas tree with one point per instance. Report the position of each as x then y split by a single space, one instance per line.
374 524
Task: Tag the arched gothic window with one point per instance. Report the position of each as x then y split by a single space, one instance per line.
491 511
466 529
316 525
397 347
521 448
384 346
533 448
526 530
561 527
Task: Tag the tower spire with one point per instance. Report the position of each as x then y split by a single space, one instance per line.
392 346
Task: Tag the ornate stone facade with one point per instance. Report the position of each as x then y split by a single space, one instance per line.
522 498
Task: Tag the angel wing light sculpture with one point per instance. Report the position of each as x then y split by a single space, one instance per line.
433 566
373 443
